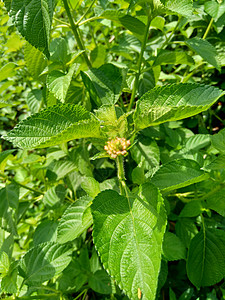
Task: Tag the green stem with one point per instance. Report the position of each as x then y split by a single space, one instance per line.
121 174
87 11
207 29
76 34
140 58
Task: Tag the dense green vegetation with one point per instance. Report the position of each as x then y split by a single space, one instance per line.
113 149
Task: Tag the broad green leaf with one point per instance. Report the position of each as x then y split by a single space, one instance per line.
173 102
216 201
197 142
4 155
217 164
98 56
147 82
35 60
206 258
34 100
182 7
58 169
215 9
146 153
177 174
4 262
7 71
9 282
33 20
44 261
186 230
173 57
205 50
90 186
173 248
58 82
104 84
76 219
191 209
9 199
54 195
128 234
45 232
54 125
59 51
100 282
218 141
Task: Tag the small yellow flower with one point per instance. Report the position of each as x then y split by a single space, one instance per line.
117 147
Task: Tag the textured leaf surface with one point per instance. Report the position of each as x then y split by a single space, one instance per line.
173 102
183 7
205 50
54 125
33 20
75 220
44 261
177 174
217 202
218 141
173 248
58 82
34 100
128 235
206 258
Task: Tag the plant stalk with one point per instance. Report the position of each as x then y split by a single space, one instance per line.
76 34
140 58
207 29
121 174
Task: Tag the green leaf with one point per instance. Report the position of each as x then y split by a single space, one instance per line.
173 248
215 9
7 71
216 201
128 235
186 230
104 84
45 232
54 125
9 207
33 20
34 100
182 7
59 51
146 153
173 102
76 219
177 174
218 141
191 209
173 57
35 60
5 154
206 258
44 261
90 186
58 82
100 282
9 282
205 50
4 262
54 195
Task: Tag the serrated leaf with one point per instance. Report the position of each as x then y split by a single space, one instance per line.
206 258
76 219
104 84
173 102
54 125
7 71
182 7
45 232
58 82
44 261
128 235
35 60
215 9
216 201
218 141
206 50
177 174
4 262
33 20
54 195
173 248
34 100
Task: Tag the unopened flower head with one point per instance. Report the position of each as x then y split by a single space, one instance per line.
117 147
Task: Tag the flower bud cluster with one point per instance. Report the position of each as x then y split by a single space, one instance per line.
117 147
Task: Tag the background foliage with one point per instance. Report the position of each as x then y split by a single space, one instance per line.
74 75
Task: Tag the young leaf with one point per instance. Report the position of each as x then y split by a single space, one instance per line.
33 20
205 50
75 220
206 258
173 248
177 174
54 125
173 102
44 261
128 233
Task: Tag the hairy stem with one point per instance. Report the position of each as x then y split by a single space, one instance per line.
140 58
121 174
76 33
